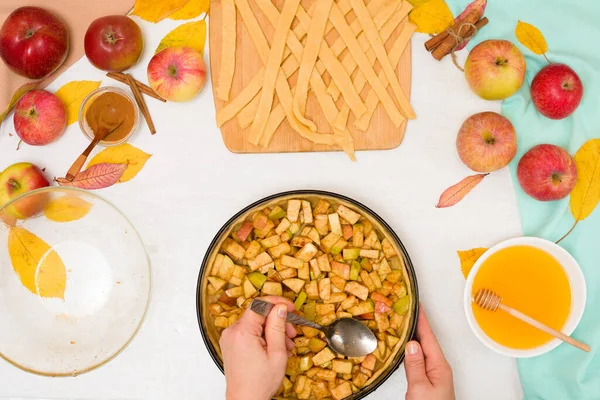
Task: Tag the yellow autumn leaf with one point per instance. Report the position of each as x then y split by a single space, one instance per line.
531 37
468 258
191 34
20 92
39 268
193 9
67 208
417 3
157 10
586 193
122 154
72 95
432 16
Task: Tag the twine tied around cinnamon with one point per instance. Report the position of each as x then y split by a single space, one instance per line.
460 39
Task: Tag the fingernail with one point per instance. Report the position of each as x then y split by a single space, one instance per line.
412 348
282 311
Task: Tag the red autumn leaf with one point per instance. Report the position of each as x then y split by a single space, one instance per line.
456 193
97 176
476 4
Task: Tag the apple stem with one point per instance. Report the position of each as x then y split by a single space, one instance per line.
549 62
568 233
16 185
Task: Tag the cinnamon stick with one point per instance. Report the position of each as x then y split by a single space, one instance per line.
141 102
147 90
470 18
446 46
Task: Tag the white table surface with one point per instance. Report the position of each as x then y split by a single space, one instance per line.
192 184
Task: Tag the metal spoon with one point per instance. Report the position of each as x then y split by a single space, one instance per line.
346 336
108 120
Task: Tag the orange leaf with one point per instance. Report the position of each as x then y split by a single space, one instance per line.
97 176
468 258
456 193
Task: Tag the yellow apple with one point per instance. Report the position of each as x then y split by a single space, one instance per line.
177 73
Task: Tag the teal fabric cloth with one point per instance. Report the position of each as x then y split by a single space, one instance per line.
572 30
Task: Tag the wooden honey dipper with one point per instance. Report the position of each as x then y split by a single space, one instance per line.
488 300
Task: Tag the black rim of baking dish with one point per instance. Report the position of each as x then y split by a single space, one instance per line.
407 261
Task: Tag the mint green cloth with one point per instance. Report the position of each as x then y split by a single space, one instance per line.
572 30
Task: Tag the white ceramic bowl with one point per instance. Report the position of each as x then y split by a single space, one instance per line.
578 295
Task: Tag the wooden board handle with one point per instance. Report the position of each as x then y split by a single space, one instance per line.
544 328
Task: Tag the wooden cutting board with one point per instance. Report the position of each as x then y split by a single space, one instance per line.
381 135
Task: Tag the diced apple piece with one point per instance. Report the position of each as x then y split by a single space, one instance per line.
392 341
300 241
283 226
355 269
226 300
314 269
381 298
293 366
368 316
264 232
397 263
371 240
218 283
287 386
306 363
222 322
320 390
388 248
325 320
341 269
342 391
313 234
252 250
382 268
360 379
357 289
226 269
394 276
366 278
217 264
233 249
326 374
401 306
288 273
316 345
382 352
312 290
336 298
325 289
295 284
338 246
400 289
351 254
322 207
323 261
249 289
323 309
358 235
286 236
272 289
328 241
382 308
365 263
244 231
396 321
307 212
276 213
235 292
342 366
301 341
348 302
323 356
375 278
300 382
322 224
215 309
259 220
373 254
369 362
334 224
291 262
294 228
348 214
266 268
304 272
293 210
238 272
307 253
364 307
260 260
300 300
280 250
271 241
338 282
347 231
383 322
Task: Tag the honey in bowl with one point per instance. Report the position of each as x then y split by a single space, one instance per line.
531 281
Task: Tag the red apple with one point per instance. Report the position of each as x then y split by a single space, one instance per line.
556 91
113 43
486 142
177 73
495 69
33 42
547 172
19 179
40 118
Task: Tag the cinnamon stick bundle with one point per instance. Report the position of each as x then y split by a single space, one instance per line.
450 43
147 90
137 94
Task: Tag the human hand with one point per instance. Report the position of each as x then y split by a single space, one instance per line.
428 373
256 350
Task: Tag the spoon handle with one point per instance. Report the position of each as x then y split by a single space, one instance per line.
263 308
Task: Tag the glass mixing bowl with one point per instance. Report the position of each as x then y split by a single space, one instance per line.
74 281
